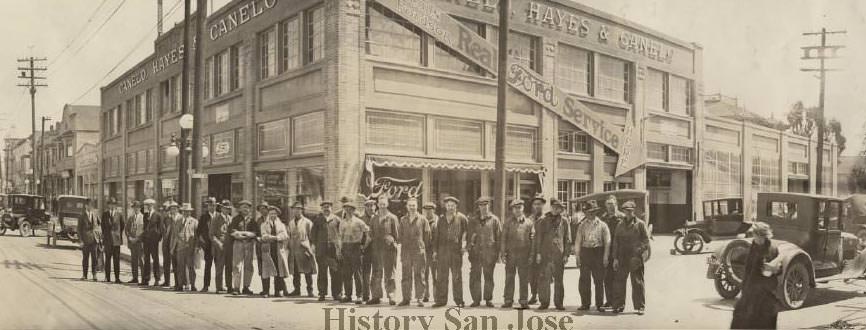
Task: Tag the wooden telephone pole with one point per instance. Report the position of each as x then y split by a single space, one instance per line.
824 52
29 75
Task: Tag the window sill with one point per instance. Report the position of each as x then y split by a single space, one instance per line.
222 98
140 127
288 75
574 155
670 115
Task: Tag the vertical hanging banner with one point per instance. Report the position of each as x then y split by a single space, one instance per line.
427 16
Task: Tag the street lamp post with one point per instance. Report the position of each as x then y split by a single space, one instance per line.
182 147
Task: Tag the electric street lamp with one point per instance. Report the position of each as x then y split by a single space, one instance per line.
182 147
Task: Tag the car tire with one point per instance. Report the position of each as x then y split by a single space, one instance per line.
25 228
690 243
725 285
2 231
795 285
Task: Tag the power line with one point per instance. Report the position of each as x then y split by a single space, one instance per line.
92 35
80 32
125 57
30 81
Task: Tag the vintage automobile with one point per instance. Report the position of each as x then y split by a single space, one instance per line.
65 210
808 232
722 218
24 213
622 195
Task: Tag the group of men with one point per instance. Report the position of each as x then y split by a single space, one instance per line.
354 251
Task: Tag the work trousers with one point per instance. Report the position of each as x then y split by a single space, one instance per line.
184 272
592 271
151 256
430 277
296 280
512 270
88 258
384 265
551 270
477 271
207 253
219 260
279 284
414 264
638 298
228 254
450 263
351 269
112 259
169 262
366 273
242 263
609 284
136 255
328 266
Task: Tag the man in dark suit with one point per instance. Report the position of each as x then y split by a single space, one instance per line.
112 227
202 234
88 227
152 235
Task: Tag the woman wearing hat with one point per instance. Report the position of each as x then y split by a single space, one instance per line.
757 308
274 241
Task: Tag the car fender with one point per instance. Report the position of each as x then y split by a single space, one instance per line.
791 253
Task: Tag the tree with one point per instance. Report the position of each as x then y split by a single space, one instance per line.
857 182
802 122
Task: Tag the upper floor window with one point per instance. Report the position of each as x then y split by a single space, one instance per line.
613 79
390 36
447 59
573 69
289 44
574 142
267 53
522 48
222 72
668 93
315 33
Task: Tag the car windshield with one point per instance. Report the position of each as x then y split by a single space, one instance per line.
71 206
18 201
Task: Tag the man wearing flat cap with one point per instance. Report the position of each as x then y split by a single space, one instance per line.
184 248
591 249
220 244
429 212
384 236
134 230
367 253
168 259
324 239
414 239
517 235
150 240
485 232
538 203
203 239
448 246
243 230
301 262
612 217
630 241
552 234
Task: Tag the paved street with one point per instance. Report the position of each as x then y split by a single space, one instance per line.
41 289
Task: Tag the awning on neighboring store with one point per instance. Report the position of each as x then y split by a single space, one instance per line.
449 164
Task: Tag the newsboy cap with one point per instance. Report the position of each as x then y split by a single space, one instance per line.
517 202
429 205
451 199
629 205
483 200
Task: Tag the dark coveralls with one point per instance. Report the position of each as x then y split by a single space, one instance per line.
612 221
414 237
552 232
485 235
430 271
152 235
384 236
517 237
630 240
324 238
448 245
758 307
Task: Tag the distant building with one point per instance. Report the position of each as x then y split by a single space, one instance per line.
79 126
846 175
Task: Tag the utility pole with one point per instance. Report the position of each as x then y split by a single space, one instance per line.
183 168
821 56
32 77
198 96
499 202
42 162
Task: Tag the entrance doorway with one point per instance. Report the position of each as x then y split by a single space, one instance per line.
670 198
798 185
219 186
464 185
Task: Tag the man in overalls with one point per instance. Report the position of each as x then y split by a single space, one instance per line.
448 245
485 232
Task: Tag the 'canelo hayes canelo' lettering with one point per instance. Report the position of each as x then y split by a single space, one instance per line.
239 16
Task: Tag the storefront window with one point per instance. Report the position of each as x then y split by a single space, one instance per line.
657 151
573 67
274 138
273 187
309 186
463 185
458 137
400 184
613 79
308 133
392 37
721 175
681 155
395 132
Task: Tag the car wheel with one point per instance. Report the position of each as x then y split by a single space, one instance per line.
795 285
689 243
726 285
2 231
25 228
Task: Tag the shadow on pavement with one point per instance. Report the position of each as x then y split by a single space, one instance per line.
717 303
58 247
825 296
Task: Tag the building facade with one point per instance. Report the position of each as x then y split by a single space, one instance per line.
17 165
77 128
311 100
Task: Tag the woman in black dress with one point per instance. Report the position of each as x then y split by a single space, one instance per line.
758 306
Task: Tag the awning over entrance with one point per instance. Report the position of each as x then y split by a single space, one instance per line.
449 164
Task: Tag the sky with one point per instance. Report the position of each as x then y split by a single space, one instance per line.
751 50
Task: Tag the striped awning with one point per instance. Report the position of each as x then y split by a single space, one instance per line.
449 164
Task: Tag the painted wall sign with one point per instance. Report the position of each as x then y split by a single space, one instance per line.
239 16
398 189
160 63
133 80
430 18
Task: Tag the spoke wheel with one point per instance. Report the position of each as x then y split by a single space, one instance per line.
796 285
689 244
725 284
2 231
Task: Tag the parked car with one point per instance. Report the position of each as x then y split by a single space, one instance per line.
722 218
65 210
24 213
808 232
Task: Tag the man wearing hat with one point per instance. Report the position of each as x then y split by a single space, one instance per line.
517 234
552 233
184 249
592 249
112 239
429 212
367 253
220 244
384 236
88 231
275 253
324 239
169 260
204 241
414 238
261 215
242 230
354 238
300 260
538 204
630 242
485 232
134 229
150 238
448 246
612 217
